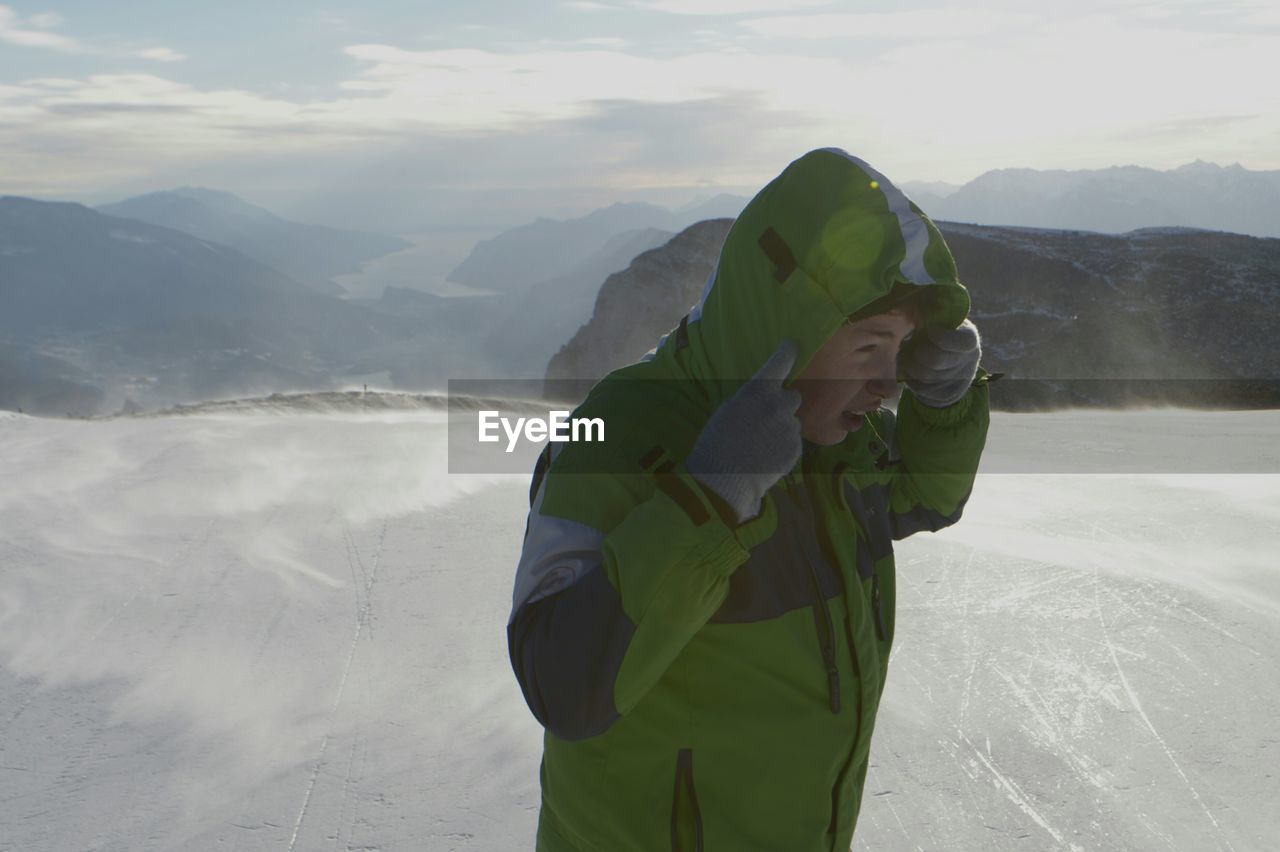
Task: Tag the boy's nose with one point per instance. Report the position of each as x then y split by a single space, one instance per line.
883 388
884 381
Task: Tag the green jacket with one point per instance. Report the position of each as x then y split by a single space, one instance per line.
712 686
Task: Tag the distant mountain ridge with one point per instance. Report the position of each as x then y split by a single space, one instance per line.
311 254
1117 199
539 320
99 303
97 310
69 268
546 248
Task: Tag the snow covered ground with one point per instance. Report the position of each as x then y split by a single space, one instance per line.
248 631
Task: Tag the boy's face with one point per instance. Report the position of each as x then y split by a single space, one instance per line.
853 372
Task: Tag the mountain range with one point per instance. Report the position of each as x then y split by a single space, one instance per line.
98 306
100 312
1113 200
311 254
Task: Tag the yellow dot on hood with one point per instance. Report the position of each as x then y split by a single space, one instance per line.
875 184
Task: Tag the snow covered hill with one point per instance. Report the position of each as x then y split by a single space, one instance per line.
251 631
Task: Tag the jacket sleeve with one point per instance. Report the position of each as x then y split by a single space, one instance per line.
934 455
616 574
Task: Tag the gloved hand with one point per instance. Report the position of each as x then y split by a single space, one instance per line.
753 439
940 364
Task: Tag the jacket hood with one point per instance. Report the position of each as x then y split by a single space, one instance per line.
825 238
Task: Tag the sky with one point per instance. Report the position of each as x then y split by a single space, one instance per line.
409 115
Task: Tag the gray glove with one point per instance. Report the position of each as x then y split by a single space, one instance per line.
940 364
753 439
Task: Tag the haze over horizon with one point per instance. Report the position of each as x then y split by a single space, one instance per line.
396 118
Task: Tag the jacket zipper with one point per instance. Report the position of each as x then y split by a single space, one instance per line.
684 783
878 606
826 631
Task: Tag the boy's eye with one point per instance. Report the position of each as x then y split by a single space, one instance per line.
868 348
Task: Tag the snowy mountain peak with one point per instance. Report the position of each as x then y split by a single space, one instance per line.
1121 198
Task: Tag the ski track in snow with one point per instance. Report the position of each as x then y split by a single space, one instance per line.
368 578
1220 839
1146 720
1015 795
1058 697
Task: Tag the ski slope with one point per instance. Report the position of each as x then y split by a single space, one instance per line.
252 631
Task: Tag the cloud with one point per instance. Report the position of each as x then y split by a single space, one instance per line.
665 153
1245 17
132 92
58 134
46 20
1066 92
161 54
985 26
130 109
641 145
30 32
914 24
467 88
54 82
725 7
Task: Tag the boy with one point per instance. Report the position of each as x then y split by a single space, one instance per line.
704 604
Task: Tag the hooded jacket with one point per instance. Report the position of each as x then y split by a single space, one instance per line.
709 685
